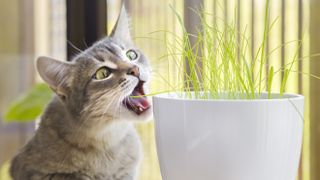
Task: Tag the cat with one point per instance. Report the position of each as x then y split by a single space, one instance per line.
86 131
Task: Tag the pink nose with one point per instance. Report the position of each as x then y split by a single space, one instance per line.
134 71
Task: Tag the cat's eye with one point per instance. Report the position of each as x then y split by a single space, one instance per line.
102 73
132 55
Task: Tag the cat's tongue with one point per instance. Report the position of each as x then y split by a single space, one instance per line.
138 103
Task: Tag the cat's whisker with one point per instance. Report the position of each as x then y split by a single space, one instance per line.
120 103
83 122
74 46
108 106
81 51
85 43
106 95
80 126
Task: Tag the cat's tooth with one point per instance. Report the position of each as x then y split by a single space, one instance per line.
140 109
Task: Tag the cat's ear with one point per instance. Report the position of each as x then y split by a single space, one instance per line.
122 28
55 74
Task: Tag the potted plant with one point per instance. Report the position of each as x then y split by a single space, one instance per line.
223 121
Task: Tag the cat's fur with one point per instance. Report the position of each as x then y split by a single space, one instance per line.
86 132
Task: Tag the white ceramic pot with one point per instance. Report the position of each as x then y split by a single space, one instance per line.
228 139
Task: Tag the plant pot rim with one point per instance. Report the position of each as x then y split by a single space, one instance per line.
176 96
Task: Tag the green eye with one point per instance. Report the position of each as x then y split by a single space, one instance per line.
102 73
132 55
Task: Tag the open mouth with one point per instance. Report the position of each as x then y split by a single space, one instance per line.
137 102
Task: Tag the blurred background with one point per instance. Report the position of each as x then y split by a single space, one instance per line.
29 28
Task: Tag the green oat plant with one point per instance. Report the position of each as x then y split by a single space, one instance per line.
218 64
218 61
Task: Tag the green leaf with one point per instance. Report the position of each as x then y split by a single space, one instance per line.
270 78
30 105
284 81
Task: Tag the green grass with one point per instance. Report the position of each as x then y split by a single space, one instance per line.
218 61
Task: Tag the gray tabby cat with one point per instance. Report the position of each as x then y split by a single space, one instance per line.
86 132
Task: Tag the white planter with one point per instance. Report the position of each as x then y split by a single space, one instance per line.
228 139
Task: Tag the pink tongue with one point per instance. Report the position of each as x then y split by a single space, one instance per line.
140 102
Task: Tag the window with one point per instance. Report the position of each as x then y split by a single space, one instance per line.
32 28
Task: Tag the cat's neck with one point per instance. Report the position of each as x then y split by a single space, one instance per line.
81 132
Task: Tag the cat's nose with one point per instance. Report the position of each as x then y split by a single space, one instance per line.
134 71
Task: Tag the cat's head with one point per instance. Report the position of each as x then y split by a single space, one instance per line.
99 83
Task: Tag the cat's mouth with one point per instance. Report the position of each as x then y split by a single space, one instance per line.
137 101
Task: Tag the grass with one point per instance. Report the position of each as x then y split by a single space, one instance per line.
218 61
